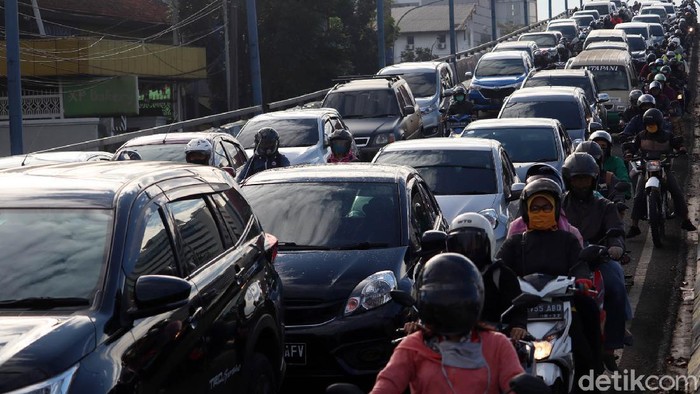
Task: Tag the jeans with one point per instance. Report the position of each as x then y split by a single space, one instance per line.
617 304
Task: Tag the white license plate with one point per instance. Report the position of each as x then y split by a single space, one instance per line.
295 353
546 311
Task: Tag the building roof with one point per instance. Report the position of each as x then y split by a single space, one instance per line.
148 11
431 18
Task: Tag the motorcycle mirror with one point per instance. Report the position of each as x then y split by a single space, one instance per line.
526 299
433 242
592 255
402 298
528 384
343 388
448 93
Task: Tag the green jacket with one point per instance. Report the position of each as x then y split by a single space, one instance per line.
617 166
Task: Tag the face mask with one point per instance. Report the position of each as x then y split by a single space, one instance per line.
459 97
541 220
340 148
652 128
463 354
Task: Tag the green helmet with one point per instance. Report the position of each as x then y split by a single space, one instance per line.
660 78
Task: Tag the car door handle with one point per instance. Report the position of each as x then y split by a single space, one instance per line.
193 319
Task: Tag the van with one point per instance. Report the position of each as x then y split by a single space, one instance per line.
605 35
603 7
615 75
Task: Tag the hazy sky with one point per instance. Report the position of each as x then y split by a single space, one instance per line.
558 7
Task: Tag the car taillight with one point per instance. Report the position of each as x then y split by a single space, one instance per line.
392 138
271 247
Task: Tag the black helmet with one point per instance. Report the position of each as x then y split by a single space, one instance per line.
634 96
542 185
459 93
267 141
593 149
577 164
651 58
653 116
544 170
450 294
340 141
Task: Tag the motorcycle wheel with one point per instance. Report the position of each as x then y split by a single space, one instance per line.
656 220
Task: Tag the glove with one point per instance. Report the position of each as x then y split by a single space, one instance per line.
583 285
615 252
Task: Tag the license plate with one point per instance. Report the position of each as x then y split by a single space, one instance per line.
458 124
295 353
546 311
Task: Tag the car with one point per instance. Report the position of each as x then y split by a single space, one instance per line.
44 158
303 133
348 235
465 175
657 33
647 18
496 75
566 104
639 47
614 45
656 10
428 81
639 28
568 28
582 78
528 46
583 21
135 276
527 140
603 7
547 40
378 110
605 35
227 153
594 13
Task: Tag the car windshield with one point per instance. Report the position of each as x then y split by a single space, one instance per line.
499 67
447 171
610 77
542 40
636 43
422 84
583 21
328 215
567 112
642 31
524 145
603 9
580 82
53 253
656 11
293 132
567 30
363 104
657 30
601 38
165 152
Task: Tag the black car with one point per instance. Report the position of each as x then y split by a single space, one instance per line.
348 235
135 277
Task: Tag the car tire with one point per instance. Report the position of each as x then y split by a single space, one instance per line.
261 374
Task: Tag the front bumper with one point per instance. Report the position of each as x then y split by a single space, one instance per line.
489 99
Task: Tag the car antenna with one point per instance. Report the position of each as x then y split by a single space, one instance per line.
25 159
166 133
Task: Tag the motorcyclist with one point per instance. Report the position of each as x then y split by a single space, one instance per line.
546 249
454 353
635 125
460 105
606 179
594 216
647 68
563 53
665 89
198 151
633 109
341 144
266 154
653 142
615 19
542 59
662 102
471 235
611 162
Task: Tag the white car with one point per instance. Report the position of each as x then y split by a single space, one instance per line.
303 133
465 175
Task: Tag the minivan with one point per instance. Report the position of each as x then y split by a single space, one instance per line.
496 75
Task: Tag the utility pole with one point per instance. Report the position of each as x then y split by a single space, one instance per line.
176 42
233 51
566 7
493 20
526 11
453 36
37 16
14 76
381 51
227 51
550 9
253 49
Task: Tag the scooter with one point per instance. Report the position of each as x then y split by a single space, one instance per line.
455 124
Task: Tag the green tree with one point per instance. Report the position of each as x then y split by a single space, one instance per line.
417 55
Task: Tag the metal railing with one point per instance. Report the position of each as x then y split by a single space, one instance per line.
235 118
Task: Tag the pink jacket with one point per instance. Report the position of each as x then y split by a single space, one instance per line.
518 226
413 364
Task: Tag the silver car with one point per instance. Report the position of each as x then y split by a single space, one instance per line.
465 175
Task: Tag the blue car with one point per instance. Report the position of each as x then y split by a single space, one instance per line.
496 76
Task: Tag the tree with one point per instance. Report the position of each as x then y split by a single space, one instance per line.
417 55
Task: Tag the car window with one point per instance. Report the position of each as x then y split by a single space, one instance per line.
407 96
363 104
565 141
236 156
610 77
499 67
328 127
422 84
292 132
578 82
567 112
419 212
198 230
524 145
235 224
431 208
509 165
542 40
220 158
160 152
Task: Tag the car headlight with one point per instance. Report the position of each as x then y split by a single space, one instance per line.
490 215
371 293
57 385
428 109
384 138
474 86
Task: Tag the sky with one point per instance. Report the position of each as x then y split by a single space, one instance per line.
558 7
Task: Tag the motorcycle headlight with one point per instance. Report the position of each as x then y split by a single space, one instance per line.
384 138
428 109
690 30
57 385
653 165
542 350
491 215
371 293
679 97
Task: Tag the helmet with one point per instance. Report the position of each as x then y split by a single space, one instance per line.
659 62
593 149
660 77
634 96
542 185
544 170
603 135
198 151
580 164
471 235
646 99
267 141
561 48
341 142
450 294
651 58
655 85
458 92
676 40
665 70
653 116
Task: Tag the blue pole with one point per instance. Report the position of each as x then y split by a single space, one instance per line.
14 77
381 51
550 9
254 50
526 10
453 36
566 6
493 19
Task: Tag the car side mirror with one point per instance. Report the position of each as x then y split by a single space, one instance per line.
154 294
433 242
409 110
603 97
468 75
516 190
577 142
595 126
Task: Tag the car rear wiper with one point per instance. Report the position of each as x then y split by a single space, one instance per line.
294 245
362 245
44 302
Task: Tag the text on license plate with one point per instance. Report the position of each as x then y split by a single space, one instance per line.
546 311
295 353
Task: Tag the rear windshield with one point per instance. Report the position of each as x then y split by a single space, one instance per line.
566 112
542 40
591 40
524 145
422 84
636 43
363 103
567 31
656 11
602 9
656 30
580 82
642 31
293 132
499 67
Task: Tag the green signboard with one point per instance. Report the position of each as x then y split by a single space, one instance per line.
110 97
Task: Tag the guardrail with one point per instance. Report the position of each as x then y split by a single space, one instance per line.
233 119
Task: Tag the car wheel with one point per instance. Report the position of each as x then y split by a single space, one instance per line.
261 375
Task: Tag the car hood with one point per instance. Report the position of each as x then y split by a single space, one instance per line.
332 275
35 348
505 80
639 54
521 168
425 102
370 126
301 154
452 206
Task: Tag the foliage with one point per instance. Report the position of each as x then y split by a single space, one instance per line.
417 55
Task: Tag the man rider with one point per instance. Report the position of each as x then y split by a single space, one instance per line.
662 102
198 151
635 125
606 179
460 105
653 142
342 147
633 109
266 154
611 162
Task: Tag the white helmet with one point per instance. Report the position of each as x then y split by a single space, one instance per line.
676 41
471 234
601 134
198 145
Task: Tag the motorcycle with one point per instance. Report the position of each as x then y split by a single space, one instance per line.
455 124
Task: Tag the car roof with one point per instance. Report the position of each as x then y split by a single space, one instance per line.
562 72
174 138
606 33
367 84
95 184
515 44
444 143
42 158
607 45
505 55
546 93
597 2
411 66
512 123
601 56
631 24
301 113
347 172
